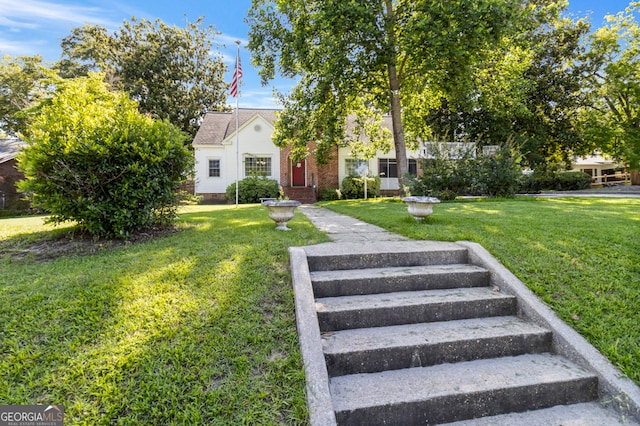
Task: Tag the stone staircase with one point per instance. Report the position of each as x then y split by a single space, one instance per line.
304 194
416 333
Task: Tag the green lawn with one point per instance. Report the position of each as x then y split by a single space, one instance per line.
194 328
580 255
198 327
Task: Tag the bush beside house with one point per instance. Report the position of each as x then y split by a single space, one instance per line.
252 189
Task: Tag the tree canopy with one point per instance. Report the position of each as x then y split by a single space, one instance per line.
368 58
529 88
613 117
170 71
24 80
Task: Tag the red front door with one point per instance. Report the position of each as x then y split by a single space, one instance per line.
298 174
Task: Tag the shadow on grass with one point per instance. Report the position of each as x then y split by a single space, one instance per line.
197 327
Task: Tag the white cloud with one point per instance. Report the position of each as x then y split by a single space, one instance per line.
40 13
20 48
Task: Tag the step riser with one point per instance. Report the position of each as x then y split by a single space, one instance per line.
432 354
385 260
390 284
382 317
453 408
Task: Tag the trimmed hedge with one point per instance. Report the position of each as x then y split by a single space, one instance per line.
252 188
554 181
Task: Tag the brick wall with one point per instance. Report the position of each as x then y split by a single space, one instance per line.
323 176
9 176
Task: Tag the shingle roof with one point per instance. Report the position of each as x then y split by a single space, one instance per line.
217 126
9 148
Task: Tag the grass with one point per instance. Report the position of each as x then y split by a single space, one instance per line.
580 255
198 327
194 328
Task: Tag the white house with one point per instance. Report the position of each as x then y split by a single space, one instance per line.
221 157
218 152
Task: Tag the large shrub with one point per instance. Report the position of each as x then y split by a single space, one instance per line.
352 187
499 174
445 175
252 188
92 158
451 173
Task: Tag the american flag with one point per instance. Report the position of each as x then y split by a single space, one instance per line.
237 75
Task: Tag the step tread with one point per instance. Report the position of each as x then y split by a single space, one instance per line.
426 334
371 273
398 387
406 299
391 247
583 414
345 256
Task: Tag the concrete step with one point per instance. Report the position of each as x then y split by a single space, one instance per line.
403 278
371 350
584 414
465 390
329 256
409 307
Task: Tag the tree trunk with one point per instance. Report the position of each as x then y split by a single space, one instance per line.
394 100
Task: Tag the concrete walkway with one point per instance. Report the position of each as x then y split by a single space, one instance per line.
345 229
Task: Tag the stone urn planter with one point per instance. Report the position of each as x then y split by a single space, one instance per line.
281 211
420 207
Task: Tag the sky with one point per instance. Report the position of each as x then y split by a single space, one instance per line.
30 27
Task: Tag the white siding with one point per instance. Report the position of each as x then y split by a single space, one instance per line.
255 141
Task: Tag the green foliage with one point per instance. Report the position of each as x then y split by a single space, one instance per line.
614 113
24 81
170 71
352 187
568 181
530 87
94 159
450 173
329 195
445 175
500 173
365 59
252 188
554 181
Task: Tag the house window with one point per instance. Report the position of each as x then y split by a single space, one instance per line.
388 167
354 166
257 166
413 167
214 168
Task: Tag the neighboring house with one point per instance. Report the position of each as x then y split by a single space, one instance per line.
217 156
602 169
9 174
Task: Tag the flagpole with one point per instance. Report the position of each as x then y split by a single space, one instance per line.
237 114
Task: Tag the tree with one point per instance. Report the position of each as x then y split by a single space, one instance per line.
169 71
530 89
24 81
92 158
367 58
613 119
